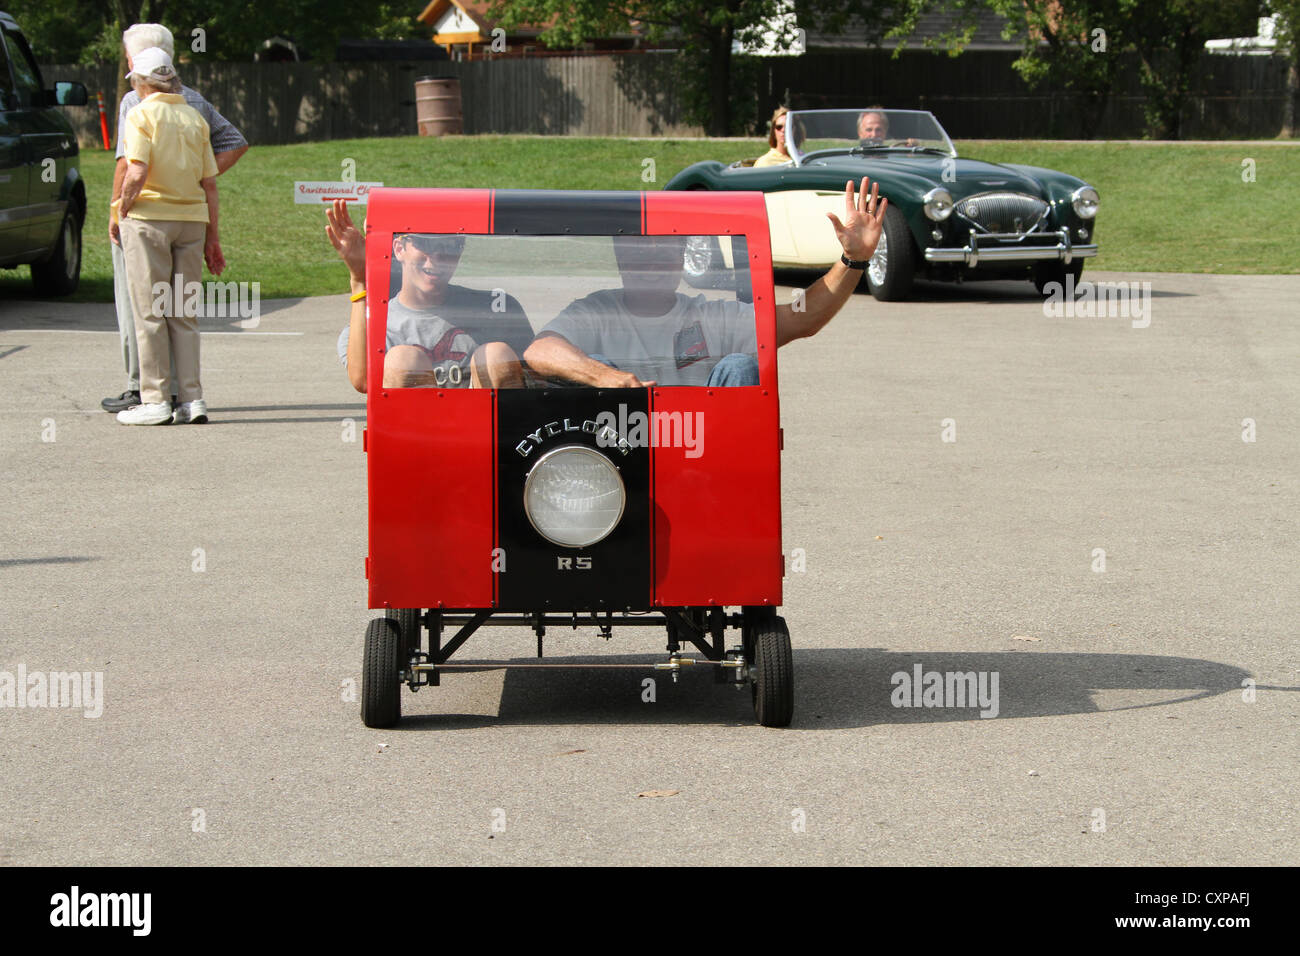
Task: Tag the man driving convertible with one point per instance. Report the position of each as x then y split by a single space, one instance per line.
659 336
873 129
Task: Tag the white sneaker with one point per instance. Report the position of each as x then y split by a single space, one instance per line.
160 414
190 413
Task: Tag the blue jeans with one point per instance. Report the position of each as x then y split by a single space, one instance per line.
734 369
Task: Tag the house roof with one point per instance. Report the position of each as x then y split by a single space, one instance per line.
456 17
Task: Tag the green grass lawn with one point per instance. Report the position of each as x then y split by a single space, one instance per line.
1166 208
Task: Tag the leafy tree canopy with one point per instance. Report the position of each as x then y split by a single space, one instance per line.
77 31
1074 44
713 81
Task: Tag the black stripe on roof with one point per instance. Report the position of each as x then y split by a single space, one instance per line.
541 212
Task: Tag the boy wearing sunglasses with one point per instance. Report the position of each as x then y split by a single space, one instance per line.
434 326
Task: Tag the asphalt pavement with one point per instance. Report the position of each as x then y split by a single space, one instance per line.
1103 516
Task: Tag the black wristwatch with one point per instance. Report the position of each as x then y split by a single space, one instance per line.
854 263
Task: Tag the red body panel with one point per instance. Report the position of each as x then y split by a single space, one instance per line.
717 518
432 489
431 472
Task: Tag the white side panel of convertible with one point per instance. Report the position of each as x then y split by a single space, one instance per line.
728 253
778 227
801 233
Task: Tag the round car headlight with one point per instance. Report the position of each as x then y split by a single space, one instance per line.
1085 202
574 496
938 204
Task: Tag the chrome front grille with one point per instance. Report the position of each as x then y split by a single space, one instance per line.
1002 212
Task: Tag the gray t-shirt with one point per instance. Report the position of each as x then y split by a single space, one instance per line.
680 347
222 133
445 344
465 318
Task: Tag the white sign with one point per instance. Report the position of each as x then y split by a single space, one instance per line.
316 193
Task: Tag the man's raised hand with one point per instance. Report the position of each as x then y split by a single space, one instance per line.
864 219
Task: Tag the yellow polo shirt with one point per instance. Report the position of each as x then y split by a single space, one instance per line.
171 138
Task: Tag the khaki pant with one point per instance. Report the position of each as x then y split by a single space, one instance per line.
125 319
164 253
126 322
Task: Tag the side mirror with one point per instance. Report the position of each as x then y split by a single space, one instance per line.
70 93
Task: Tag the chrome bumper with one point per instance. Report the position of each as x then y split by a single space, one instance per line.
972 254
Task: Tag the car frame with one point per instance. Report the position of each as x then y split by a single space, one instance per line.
695 553
950 217
42 194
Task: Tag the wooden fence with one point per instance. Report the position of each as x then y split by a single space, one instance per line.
976 95
275 103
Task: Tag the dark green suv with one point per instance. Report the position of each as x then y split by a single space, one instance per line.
42 195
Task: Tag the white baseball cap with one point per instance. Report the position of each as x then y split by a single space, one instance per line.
152 61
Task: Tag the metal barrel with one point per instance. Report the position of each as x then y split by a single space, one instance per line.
437 105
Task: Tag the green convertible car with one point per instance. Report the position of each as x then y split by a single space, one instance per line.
948 218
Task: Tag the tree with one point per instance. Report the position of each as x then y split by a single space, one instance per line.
1170 40
1075 45
703 29
70 31
1288 42
1069 45
76 31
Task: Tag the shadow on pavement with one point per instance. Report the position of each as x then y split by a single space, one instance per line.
22 313
843 688
344 407
982 290
63 559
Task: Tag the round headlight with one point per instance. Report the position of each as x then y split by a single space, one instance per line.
938 204
1085 202
574 496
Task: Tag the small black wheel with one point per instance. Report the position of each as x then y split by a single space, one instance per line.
408 622
774 669
893 267
61 273
1048 272
381 701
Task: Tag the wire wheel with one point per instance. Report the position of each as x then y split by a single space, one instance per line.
892 268
879 263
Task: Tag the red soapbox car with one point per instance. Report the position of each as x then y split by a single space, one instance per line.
559 503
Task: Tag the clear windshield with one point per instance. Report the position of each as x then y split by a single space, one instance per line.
628 302
865 131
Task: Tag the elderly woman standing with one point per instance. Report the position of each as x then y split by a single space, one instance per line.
168 221
228 145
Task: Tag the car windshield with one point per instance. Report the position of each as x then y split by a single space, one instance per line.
864 131
623 300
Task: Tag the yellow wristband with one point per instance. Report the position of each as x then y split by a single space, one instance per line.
358 296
